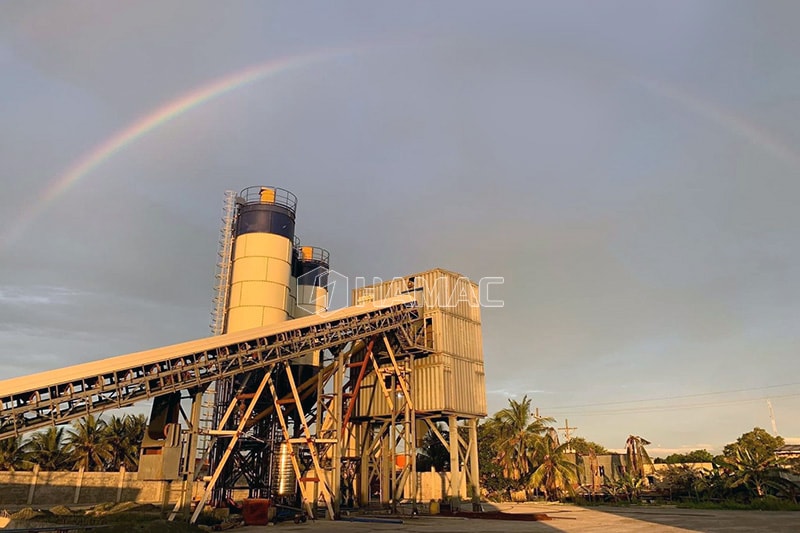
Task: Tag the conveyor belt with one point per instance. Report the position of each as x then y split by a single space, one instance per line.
58 396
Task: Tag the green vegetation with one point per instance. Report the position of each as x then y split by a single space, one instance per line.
758 442
555 473
748 475
695 456
767 503
432 453
13 455
517 433
520 452
89 442
585 447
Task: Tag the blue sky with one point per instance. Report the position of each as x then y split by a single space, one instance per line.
630 169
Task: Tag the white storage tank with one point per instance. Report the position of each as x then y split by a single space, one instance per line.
262 258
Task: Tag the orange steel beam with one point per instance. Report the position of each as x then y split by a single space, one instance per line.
357 386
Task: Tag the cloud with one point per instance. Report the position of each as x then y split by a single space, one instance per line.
648 245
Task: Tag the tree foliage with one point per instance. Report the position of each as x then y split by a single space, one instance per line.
754 468
695 456
758 442
432 453
636 455
48 449
125 435
517 432
88 442
555 472
14 454
584 447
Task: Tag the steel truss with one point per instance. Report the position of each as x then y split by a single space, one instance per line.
123 381
329 434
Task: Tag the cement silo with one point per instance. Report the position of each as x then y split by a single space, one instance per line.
260 294
313 265
312 281
262 258
292 304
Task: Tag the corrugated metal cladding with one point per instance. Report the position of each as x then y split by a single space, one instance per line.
452 379
442 290
456 336
438 384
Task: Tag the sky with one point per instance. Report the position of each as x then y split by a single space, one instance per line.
629 168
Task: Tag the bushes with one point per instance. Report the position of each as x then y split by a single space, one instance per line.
767 503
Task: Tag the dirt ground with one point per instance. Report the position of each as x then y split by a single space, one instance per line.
569 518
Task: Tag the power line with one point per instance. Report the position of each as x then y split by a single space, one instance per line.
664 398
657 408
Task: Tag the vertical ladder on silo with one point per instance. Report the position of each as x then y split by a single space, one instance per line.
223 272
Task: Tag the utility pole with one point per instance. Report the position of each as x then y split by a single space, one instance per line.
566 429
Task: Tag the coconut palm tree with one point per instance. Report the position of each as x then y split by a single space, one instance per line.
636 455
48 449
14 454
556 472
125 435
88 444
517 432
116 435
136 426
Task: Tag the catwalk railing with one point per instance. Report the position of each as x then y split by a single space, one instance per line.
58 396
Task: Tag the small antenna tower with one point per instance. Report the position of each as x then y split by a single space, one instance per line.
772 417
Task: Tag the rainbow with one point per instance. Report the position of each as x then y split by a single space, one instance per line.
175 108
726 119
141 127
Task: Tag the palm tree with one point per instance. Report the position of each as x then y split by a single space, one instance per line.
47 449
125 435
518 432
88 444
636 455
136 426
432 453
556 472
14 454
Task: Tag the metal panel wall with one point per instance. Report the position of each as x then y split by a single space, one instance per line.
451 379
442 290
456 336
439 383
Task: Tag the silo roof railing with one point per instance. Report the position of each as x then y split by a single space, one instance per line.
281 197
314 254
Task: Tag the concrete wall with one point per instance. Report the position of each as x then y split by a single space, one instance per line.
87 488
81 488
